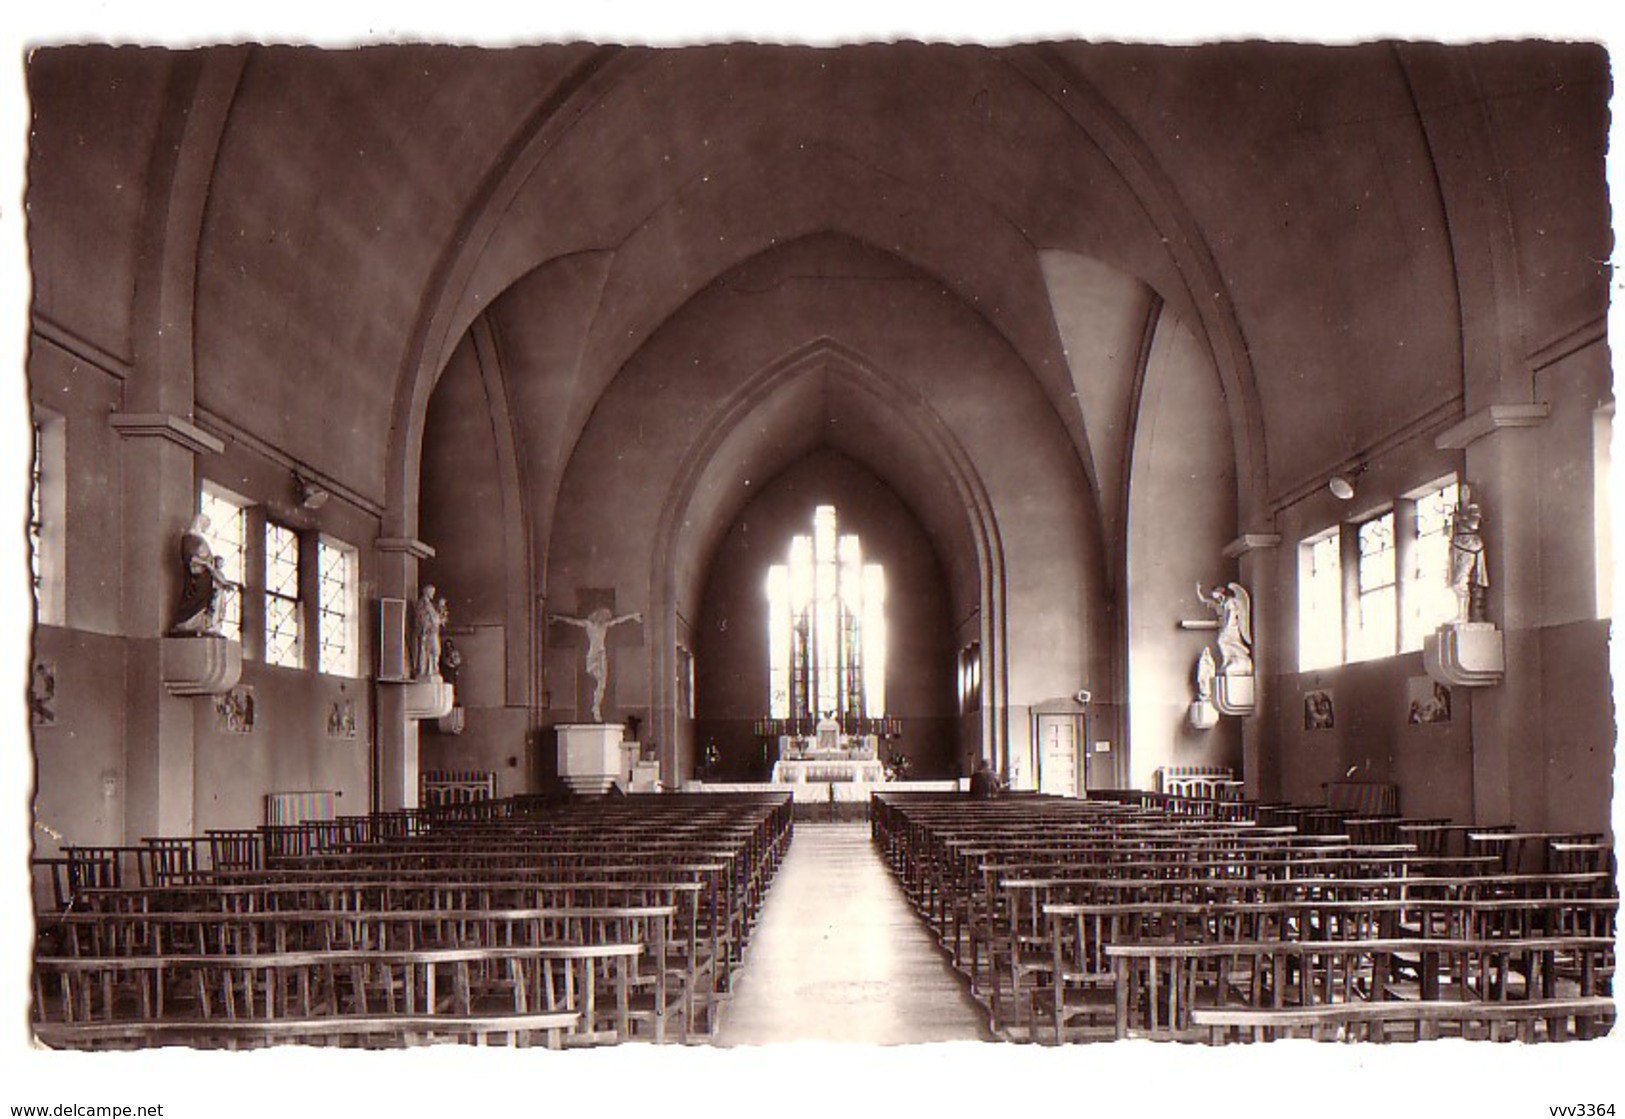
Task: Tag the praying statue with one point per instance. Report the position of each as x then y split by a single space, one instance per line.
1469 573
429 616
1206 670
198 614
597 624
1203 715
1234 607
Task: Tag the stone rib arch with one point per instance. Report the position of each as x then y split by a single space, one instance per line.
434 335
820 360
1207 292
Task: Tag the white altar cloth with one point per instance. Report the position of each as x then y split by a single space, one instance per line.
790 771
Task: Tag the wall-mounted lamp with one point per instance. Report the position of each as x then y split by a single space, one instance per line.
1342 483
311 494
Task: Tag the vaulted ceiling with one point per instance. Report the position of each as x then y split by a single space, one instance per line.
1298 208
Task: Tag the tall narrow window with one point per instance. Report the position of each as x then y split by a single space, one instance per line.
1375 615
1428 600
336 585
1320 601
1602 495
826 628
970 678
47 512
282 644
227 535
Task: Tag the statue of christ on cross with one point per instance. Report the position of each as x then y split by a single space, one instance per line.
598 623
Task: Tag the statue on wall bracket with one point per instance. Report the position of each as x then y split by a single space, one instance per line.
426 695
1232 685
1467 650
196 658
204 578
429 617
1469 569
1203 715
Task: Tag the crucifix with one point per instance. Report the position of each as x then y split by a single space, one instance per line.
596 620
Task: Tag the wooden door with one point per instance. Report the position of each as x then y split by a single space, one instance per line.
1058 755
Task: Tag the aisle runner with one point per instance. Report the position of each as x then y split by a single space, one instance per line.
839 956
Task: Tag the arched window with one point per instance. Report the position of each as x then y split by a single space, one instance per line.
826 628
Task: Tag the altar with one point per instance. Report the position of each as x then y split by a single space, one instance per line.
828 756
797 771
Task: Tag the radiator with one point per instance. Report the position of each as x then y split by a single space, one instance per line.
299 807
1170 775
1363 798
439 787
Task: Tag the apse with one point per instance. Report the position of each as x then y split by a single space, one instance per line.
731 634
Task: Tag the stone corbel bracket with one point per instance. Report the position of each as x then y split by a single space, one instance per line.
1202 715
194 666
432 698
1468 654
1234 695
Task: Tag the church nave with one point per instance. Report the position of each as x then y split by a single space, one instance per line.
838 956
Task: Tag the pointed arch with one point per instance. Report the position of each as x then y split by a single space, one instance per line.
827 358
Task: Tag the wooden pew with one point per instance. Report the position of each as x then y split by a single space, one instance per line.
1078 1000
469 989
391 1030
1166 991
993 878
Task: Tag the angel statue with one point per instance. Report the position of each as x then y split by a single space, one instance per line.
1234 606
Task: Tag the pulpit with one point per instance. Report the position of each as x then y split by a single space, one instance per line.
589 756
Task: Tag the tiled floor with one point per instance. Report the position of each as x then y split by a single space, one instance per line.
838 955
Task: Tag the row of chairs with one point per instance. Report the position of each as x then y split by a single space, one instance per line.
1045 905
630 917
164 860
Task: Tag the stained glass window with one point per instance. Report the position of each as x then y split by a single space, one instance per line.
970 678
282 645
47 516
826 627
36 516
1602 509
336 585
1429 600
1376 621
1320 601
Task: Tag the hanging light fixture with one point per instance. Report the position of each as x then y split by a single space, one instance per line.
1342 483
312 495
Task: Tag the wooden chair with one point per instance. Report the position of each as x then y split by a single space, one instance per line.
54 870
235 849
169 861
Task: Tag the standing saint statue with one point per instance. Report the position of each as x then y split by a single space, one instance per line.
1469 573
1234 606
1206 670
198 614
597 624
429 617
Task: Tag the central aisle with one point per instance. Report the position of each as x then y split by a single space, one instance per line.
838 955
